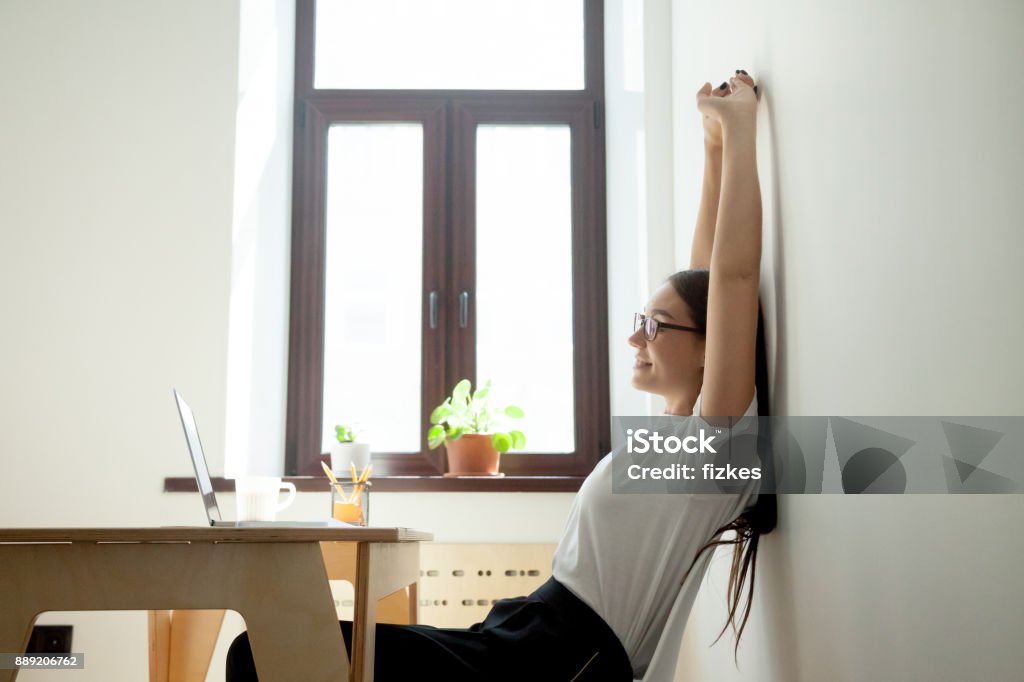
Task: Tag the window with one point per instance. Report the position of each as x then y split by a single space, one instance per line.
448 222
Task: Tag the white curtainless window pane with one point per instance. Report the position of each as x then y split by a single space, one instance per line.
449 44
524 277
374 252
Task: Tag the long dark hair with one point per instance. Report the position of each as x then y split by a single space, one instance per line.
692 287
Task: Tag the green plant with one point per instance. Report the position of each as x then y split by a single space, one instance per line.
463 412
345 434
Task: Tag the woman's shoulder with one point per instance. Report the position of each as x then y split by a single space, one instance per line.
751 410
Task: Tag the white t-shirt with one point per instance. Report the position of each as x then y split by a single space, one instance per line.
625 556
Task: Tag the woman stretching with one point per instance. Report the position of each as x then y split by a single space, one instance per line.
628 566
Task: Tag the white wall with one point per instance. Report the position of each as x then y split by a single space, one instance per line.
257 358
889 150
639 178
116 136
117 131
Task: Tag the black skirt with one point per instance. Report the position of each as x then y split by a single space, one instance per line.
549 635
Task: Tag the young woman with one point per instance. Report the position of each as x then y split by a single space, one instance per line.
628 567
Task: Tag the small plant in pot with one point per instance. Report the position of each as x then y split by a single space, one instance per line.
466 423
348 451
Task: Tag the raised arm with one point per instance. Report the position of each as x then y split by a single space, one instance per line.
707 213
729 355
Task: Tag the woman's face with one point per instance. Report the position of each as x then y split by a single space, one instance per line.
674 360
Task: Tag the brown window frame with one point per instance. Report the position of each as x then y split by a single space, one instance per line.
449 119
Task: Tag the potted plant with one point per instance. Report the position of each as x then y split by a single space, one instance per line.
465 422
348 452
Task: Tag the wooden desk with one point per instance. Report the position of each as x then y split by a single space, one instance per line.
274 577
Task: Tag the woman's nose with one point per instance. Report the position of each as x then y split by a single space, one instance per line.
637 340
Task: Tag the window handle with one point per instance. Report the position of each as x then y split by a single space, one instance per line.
433 310
464 309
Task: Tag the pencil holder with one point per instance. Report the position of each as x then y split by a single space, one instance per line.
350 502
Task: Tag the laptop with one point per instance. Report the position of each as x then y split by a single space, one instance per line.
195 448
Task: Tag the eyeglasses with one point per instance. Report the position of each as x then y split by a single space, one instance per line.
651 326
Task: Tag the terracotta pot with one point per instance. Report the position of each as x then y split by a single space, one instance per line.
473 453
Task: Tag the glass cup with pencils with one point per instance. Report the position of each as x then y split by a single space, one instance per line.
350 500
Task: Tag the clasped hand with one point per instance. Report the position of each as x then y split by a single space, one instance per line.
733 103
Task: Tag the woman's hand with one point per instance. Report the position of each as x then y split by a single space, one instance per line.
712 126
732 103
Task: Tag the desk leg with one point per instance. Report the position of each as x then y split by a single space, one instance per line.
414 600
380 570
193 637
15 631
280 589
159 645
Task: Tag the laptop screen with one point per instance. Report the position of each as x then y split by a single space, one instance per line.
195 448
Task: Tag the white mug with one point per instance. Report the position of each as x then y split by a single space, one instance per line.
256 497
